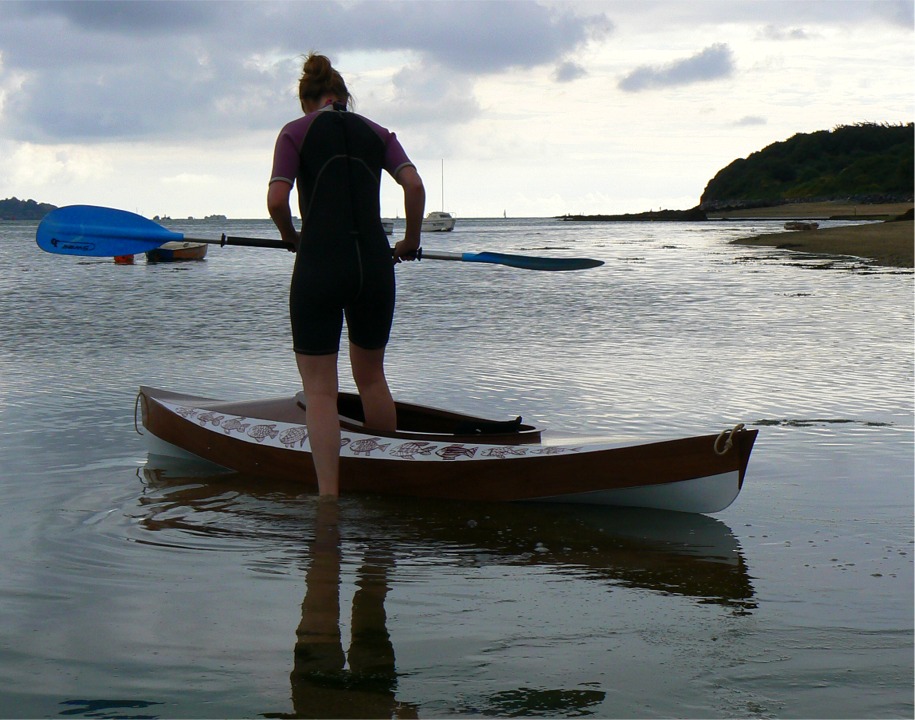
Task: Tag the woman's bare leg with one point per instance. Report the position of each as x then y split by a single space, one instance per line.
319 381
377 403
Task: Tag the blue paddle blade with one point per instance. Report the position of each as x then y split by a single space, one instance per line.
93 231
527 262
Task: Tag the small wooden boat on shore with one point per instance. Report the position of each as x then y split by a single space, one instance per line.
174 251
447 455
799 225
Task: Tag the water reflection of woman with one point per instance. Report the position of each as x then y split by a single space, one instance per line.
326 682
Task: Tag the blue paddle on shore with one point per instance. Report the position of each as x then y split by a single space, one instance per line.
91 231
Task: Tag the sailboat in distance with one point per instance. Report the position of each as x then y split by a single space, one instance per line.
439 220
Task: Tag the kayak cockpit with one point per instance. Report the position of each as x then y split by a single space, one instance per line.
434 423
417 422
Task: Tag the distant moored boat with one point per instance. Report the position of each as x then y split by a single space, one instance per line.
438 221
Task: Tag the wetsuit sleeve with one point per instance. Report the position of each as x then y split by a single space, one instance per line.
395 157
285 158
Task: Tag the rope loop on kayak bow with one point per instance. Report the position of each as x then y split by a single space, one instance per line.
728 437
136 406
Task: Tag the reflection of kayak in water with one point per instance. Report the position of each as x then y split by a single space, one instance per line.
365 547
672 553
447 455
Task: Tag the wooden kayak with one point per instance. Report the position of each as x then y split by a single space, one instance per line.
447 455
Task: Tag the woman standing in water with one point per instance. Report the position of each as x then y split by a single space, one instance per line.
343 264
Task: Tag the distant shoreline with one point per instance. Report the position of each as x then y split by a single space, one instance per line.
830 210
692 215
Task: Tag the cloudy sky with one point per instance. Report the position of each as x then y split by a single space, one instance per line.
532 108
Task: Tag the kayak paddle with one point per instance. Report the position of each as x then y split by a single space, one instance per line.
92 231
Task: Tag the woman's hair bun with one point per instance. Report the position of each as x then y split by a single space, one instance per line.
319 78
317 68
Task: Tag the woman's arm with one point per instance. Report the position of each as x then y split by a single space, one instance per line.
278 207
414 202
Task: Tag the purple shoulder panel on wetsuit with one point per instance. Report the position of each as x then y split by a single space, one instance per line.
292 136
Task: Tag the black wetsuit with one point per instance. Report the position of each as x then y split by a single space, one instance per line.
344 263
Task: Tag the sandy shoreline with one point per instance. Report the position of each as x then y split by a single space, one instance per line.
887 243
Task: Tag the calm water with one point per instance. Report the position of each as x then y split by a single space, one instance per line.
135 591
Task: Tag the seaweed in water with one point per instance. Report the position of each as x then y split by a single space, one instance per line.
818 421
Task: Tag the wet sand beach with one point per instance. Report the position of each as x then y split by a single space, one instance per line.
887 243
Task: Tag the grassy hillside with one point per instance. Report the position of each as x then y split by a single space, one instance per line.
865 162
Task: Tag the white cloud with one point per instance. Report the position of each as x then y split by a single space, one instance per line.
776 32
714 63
186 178
748 120
34 165
568 71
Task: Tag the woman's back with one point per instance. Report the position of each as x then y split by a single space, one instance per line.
339 177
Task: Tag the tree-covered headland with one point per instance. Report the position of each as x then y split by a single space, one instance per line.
15 209
865 163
